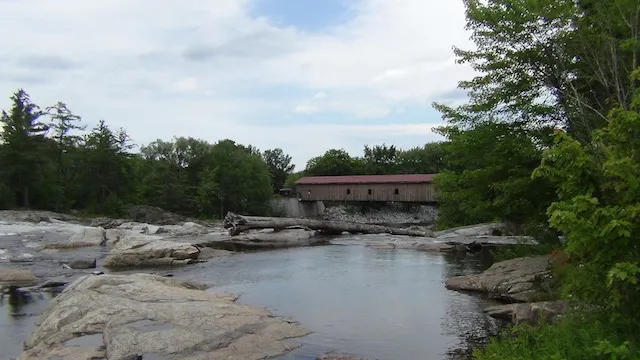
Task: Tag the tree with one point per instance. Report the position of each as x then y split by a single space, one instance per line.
542 65
241 177
64 122
107 170
492 184
22 140
428 159
291 179
598 210
334 163
548 63
280 167
381 159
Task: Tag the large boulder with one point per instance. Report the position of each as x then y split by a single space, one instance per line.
95 236
142 315
137 250
515 280
14 278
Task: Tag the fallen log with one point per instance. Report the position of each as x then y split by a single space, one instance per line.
240 223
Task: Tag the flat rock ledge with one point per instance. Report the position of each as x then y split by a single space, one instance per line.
530 313
11 278
137 250
515 280
264 239
139 316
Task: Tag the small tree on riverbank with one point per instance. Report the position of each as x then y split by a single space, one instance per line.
598 187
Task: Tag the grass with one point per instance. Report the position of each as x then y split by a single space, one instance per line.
575 336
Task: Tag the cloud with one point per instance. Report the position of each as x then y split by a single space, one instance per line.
217 69
44 62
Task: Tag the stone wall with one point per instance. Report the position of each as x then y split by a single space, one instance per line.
291 207
384 214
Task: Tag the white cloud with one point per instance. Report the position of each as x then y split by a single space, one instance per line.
188 84
210 70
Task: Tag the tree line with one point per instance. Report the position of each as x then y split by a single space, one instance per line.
377 160
550 139
50 161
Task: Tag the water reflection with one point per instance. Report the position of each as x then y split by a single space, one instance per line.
18 313
16 300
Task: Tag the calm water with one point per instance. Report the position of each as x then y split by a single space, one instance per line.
383 304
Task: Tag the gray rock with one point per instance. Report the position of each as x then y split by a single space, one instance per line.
493 229
105 223
515 280
113 236
409 243
89 235
15 278
34 216
82 264
127 316
210 253
137 250
152 229
530 313
263 239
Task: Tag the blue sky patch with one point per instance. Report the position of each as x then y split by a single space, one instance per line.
306 15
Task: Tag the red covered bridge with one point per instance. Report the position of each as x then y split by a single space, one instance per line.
384 188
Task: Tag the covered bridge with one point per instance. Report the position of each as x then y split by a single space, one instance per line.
384 188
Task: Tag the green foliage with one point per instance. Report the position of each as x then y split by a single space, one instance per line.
428 159
242 178
334 163
576 336
280 167
569 65
56 165
488 176
292 178
543 62
598 210
23 138
379 160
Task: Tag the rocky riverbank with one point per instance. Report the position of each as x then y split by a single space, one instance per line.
523 284
171 240
69 249
141 315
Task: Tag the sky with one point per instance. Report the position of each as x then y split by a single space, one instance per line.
302 75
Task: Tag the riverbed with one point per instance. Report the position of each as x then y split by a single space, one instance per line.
379 303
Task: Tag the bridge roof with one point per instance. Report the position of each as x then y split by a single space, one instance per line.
366 179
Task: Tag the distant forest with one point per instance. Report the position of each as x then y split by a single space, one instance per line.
50 161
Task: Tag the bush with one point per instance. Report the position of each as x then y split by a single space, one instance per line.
575 336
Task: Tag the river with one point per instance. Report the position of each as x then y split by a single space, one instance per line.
378 303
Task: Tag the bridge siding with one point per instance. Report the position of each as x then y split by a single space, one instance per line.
412 192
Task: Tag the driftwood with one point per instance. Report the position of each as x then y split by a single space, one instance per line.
240 223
